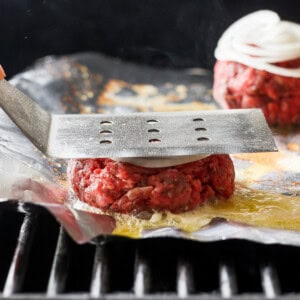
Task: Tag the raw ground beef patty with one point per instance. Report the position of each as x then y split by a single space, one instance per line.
125 188
239 86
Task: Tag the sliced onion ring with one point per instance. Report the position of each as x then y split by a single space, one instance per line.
260 40
159 162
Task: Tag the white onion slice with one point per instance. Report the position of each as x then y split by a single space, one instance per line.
259 40
159 162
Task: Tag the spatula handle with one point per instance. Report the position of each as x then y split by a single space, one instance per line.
33 121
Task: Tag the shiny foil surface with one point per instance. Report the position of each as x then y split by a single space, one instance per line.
265 206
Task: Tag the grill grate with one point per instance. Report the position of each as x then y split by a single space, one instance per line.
16 274
60 266
39 260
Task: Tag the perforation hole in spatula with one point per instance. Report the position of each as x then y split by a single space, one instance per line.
105 132
202 139
152 121
106 123
154 141
105 142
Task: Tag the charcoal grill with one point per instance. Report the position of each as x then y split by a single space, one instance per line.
39 260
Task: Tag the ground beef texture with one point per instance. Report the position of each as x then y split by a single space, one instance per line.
126 188
239 86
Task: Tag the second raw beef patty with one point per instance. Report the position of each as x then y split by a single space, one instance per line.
239 86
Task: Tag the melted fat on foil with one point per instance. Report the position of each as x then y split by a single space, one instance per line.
247 206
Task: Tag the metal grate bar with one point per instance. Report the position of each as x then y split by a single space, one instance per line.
99 281
158 296
227 277
18 267
141 284
185 283
270 282
60 266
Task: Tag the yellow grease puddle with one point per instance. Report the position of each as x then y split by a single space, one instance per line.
252 207
247 206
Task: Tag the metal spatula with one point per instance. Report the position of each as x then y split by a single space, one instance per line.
137 134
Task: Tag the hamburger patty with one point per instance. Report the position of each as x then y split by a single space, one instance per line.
125 188
239 86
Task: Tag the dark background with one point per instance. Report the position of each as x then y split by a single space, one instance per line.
165 33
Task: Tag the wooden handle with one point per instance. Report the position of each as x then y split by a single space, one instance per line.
2 73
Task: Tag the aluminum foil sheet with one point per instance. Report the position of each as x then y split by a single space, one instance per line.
266 204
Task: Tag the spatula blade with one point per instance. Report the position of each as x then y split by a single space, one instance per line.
159 134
